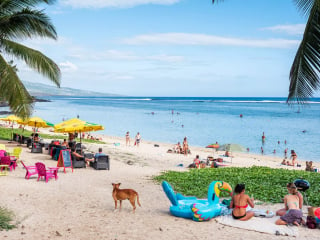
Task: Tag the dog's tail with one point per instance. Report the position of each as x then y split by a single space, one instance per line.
138 199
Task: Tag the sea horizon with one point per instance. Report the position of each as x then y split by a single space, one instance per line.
203 120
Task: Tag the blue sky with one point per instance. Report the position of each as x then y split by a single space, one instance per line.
173 47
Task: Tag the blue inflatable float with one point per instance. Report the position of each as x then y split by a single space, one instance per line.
194 208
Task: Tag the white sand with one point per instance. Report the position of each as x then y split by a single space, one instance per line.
79 205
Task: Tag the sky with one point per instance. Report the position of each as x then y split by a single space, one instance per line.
173 47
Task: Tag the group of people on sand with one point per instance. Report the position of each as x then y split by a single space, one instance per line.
184 149
293 158
137 139
78 156
290 214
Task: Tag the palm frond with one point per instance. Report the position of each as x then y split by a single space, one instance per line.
305 6
26 23
213 1
305 70
10 6
34 59
13 91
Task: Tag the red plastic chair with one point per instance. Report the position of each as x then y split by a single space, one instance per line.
31 170
7 161
47 174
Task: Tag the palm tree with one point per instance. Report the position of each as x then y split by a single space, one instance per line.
305 69
19 20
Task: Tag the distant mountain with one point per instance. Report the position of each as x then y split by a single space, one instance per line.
40 89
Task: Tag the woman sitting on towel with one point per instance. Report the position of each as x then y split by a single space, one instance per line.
292 204
240 202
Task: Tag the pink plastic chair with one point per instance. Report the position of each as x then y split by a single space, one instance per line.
3 153
47 174
31 170
7 161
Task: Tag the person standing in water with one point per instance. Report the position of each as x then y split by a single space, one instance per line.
263 137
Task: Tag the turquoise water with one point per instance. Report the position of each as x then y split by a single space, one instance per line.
202 120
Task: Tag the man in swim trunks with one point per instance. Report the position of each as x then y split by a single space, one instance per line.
240 202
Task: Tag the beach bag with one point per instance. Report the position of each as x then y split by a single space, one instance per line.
311 222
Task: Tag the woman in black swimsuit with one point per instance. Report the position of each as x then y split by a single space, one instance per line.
240 202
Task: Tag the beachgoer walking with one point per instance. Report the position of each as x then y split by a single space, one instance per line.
137 139
127 138
262 150
185 146
285 153
292 205
240 202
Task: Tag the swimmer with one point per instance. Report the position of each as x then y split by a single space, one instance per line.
263 137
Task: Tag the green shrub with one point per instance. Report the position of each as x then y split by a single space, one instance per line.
265 184
6 217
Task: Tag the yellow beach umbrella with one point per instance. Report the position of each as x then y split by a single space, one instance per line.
12 118
37 122
81 127
67 122
78 126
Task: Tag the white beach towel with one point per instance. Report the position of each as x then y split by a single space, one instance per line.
258 224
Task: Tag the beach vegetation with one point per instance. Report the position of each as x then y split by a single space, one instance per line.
20 20
265 184
6 218
305 69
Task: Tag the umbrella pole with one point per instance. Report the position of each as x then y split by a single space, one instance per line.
80 142
10 141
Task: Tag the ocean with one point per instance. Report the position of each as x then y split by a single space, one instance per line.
203 120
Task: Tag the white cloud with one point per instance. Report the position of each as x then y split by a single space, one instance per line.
114 3
203 39
166 58
296 29
86 54
68 67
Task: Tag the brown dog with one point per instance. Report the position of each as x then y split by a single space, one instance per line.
123 194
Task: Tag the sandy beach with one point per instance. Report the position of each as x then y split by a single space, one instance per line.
79 205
